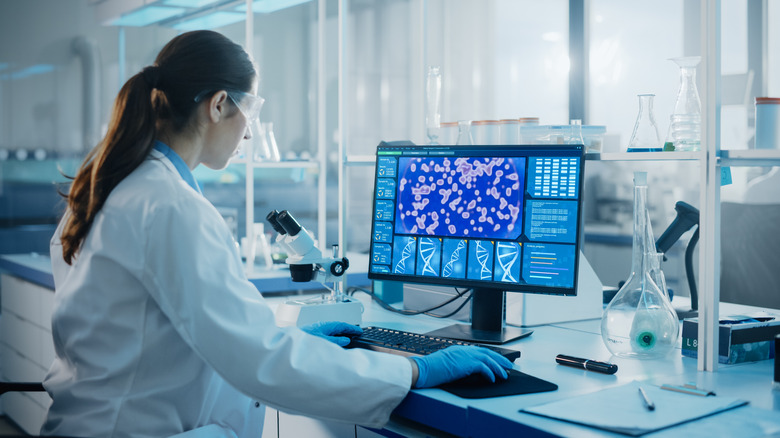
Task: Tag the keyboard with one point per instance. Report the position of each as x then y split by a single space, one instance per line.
413 344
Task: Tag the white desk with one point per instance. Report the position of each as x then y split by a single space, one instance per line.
433 412
500 416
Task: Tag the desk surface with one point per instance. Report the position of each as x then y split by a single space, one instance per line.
445 412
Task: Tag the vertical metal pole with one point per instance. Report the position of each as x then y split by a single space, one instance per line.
249 153
322 154
424 64
709 258
342 114
578 56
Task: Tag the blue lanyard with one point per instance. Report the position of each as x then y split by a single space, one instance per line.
178 163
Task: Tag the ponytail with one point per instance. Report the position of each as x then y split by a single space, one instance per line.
129 139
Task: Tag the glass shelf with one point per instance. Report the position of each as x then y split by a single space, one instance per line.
644 156
293 164
750 157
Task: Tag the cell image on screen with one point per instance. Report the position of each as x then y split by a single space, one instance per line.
470 197
404 249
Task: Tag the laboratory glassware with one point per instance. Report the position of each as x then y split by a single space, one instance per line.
270 140
448 132
464 133
575 132
645 137
508 131
767 123
686 117
640 322
433 101
484 131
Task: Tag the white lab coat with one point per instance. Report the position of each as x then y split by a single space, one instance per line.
157 331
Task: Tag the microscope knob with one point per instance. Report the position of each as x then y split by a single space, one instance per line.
339 267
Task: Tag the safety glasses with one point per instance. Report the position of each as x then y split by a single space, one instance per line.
249 104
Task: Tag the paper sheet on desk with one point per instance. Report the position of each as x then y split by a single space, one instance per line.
622 410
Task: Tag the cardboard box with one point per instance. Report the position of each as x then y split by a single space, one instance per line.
742 338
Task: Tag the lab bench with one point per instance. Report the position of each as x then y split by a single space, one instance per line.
27 300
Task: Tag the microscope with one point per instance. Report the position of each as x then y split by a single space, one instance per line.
307 263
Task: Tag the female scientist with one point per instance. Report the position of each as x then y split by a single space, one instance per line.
156 329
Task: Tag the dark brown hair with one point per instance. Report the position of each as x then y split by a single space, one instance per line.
164 93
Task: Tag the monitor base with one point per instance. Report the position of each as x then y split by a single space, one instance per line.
464 332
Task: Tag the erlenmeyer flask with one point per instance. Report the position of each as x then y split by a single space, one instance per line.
464 133
686 119
640 321
645 137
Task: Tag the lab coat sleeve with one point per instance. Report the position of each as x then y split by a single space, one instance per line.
194 272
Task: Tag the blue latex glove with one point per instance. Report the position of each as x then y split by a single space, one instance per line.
459 361
335 331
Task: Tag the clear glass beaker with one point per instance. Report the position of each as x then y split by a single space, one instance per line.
640 321
686 117
432 102
464 133
645 137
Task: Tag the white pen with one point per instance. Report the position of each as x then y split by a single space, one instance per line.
648 403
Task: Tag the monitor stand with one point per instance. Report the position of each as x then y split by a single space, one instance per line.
487 321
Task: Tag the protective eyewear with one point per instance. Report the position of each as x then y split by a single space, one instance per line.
249 104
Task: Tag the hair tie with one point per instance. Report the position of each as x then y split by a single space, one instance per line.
152 76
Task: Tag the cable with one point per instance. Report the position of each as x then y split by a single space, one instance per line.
386 306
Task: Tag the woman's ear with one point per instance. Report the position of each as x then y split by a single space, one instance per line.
217 106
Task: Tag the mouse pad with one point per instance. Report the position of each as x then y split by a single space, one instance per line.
518 383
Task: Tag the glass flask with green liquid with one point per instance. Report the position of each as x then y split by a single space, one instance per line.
640 321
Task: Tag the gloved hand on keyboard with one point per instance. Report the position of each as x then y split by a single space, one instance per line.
334 331
457 362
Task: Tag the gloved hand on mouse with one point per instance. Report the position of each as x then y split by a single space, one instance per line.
459 361
335 331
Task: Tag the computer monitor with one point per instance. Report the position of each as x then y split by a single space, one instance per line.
492 218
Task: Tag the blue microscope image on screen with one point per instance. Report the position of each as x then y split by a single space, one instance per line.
473 197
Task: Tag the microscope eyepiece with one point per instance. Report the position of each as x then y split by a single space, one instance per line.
288 222
272 219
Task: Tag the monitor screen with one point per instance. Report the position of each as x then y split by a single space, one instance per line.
502 218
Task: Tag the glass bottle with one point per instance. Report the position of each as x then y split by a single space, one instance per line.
433 99
464 133
686 118
645 137
640 321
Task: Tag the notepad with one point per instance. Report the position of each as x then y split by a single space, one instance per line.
622 410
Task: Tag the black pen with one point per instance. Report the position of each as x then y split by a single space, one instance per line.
590 365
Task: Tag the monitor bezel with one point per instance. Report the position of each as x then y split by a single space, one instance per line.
577 150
